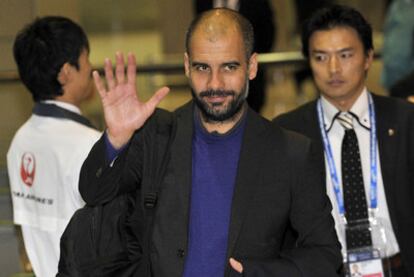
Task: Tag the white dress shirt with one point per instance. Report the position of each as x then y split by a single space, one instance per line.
335 136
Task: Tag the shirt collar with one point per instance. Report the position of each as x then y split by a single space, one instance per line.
63 105
360 109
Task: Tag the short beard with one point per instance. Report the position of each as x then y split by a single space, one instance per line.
234 107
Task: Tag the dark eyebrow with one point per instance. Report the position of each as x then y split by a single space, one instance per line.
346 49
231 63
317 51
194 64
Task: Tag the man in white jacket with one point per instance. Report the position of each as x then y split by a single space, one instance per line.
47 152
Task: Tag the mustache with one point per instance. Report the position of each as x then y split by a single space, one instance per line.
218 93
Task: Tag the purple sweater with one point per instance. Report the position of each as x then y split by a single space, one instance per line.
215 160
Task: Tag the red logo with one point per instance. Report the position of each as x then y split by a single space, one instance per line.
28 168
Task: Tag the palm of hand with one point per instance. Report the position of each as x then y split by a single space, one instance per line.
124 112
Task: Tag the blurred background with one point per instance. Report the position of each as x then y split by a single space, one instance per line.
154 30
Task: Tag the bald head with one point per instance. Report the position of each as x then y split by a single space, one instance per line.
218 23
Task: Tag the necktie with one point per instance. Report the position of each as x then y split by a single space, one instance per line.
357 233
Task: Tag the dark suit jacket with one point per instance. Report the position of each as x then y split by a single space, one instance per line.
277 187
395 132
261 16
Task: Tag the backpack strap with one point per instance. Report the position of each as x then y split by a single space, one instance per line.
158 173
151 197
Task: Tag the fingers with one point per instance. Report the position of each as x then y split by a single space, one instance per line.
119 73
109 75
120 67
132 69
237 266
158 96
99 84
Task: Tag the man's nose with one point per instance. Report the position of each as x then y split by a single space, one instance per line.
216 80
334 65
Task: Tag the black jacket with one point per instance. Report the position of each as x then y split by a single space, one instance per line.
395 133
277 187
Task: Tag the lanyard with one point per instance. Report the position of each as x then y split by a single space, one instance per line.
331 164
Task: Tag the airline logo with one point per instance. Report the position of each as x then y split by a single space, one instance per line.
28 168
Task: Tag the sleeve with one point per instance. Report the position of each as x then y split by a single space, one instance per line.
317 250
101 181
111 151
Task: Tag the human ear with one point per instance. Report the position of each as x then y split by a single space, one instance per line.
187 65
369 59
253 66
64 74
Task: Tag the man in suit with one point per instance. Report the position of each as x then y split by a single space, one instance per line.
338 43
231 188
261 16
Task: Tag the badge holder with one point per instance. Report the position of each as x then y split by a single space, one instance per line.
364 262
368 261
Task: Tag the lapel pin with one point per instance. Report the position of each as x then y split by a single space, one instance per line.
391 132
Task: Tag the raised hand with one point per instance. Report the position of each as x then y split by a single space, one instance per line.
124 112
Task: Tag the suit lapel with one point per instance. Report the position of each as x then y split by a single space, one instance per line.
251 156
181 159
387 134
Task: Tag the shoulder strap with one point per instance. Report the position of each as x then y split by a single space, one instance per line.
151 197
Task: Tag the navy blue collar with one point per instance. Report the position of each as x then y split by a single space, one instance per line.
52 110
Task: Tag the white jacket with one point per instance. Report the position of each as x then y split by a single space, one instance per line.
44 161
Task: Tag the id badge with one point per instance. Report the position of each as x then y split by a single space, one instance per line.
365 263
368 261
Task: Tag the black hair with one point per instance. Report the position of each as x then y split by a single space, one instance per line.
337 16
42 48
241 22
